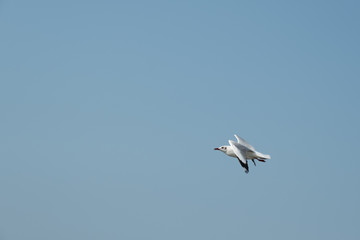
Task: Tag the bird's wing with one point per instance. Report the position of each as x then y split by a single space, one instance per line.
240 153
245 143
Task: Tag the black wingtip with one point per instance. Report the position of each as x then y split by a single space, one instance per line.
244 165
253 161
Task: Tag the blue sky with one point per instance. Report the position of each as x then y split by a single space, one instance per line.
111 110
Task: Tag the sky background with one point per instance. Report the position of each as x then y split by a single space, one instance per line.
110 111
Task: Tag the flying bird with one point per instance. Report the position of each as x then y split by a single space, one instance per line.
242 150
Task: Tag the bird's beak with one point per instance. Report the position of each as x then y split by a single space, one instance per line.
216 149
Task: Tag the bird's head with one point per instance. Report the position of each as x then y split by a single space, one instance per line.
222 148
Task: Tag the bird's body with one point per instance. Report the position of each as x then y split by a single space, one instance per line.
243 151
249 154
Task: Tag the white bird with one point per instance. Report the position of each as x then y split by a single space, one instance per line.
242 150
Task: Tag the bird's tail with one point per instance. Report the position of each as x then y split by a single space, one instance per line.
263 156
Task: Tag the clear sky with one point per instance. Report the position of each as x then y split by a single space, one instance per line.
110 111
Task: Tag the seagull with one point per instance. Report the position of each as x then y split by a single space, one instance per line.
242 150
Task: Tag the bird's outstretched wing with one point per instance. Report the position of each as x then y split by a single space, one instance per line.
244 143
240 153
